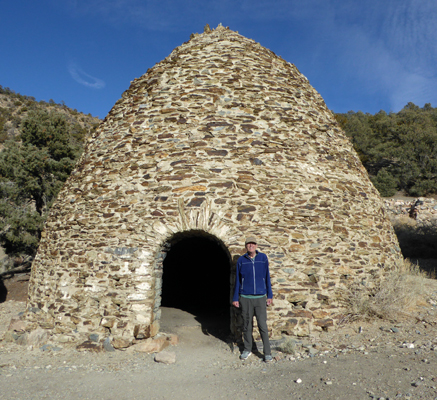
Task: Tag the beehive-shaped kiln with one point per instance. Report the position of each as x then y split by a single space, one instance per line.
221 140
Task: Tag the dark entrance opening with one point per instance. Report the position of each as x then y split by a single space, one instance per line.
196 279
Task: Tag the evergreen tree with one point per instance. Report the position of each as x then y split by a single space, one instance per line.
31 174
399 150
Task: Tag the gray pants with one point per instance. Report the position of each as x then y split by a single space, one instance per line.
258 308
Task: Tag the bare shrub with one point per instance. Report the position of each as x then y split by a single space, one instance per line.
393 297
403 220
288 346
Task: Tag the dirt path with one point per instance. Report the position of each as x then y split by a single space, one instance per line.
381 362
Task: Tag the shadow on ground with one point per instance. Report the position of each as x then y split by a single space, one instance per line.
174 320
418 243
3 291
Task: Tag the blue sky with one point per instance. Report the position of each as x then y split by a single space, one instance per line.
359 55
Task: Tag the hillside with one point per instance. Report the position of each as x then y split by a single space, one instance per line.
15 107
40 143
398 150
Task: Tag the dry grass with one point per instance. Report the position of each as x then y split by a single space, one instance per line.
288 346
393 298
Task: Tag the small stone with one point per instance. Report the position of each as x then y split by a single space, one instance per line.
9 336
89 346
154 329
312 351
94 337
298 380
152 345
173 339
120 343
37 337
46 347
17 325
107 322
107 346
64 338
165 357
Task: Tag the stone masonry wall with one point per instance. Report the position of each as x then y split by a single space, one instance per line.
221 137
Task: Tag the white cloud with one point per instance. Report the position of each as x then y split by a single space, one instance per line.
389 46
83 78
413 88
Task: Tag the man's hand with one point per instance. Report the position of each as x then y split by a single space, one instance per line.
236 304
269 302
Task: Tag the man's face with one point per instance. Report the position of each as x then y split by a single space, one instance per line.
251 247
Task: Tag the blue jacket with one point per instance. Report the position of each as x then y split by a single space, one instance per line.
253 277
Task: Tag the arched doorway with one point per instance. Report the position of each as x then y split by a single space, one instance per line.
196 279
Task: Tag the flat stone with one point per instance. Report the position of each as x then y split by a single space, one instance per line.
17 325
107 346
21 339
166 357
37 337
90 346
120 343
50 347
152 345
10 336
94 337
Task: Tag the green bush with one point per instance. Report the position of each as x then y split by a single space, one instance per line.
399 150
385 182
31 174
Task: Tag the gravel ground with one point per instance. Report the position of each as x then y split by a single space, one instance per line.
379 361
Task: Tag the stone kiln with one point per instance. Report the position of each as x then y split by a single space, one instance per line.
220 140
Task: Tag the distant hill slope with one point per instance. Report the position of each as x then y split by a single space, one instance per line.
40 143
399 150
14 108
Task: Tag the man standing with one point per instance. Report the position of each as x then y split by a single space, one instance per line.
253 293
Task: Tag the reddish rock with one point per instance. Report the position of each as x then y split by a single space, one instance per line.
17 325
165 357
152 345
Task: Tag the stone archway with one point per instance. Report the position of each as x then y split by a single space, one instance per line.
194 275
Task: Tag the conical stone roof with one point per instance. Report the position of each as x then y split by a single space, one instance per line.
222 138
